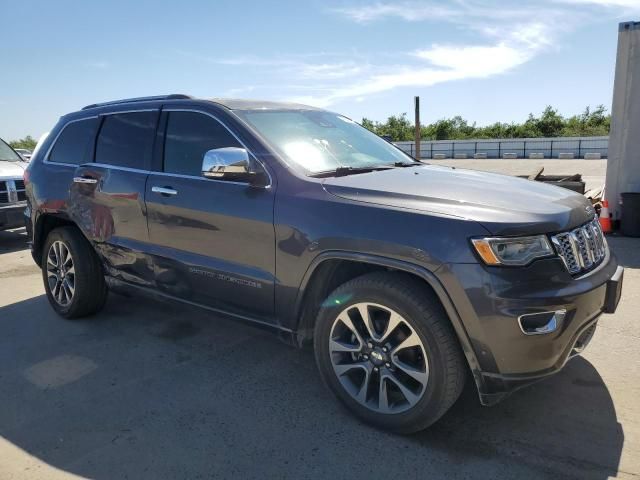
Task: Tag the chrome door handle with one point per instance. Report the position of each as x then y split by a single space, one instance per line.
164 190
84 180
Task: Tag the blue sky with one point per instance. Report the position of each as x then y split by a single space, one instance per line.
487 60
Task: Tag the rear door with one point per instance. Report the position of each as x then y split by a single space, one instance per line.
213 239
107 196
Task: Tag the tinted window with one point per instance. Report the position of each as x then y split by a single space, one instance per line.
126 139
189 136
75 143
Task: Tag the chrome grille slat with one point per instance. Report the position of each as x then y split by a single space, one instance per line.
582 248
12 191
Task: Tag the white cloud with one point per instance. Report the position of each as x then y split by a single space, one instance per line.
511 34
475 60
628 4
444 63
329 70
499 36
236 92
98 64
409 11
464 12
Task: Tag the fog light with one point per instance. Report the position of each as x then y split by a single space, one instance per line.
541 323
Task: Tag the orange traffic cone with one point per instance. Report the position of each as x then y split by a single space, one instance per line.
605 219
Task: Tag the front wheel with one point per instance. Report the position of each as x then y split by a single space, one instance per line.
72 274
386 348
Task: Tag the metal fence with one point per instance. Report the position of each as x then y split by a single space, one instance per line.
559 147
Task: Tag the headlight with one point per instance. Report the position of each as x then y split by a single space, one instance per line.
512 251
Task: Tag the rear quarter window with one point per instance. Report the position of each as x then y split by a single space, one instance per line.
75 142
126 139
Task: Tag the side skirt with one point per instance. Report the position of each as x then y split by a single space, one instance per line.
284 334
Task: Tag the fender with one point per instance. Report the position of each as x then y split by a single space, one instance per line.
421 272
39 229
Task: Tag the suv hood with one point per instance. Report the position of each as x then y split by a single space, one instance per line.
12 170
504 205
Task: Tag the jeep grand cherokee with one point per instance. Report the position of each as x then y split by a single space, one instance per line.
404 276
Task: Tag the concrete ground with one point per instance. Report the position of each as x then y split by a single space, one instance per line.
593 171
148 390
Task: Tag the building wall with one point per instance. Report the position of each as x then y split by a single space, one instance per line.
623 167
521 147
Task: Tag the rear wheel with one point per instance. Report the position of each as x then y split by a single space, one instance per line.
72 274
386 348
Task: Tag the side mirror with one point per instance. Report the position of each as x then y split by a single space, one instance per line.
228 162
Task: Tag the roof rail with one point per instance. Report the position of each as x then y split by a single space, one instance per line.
174 96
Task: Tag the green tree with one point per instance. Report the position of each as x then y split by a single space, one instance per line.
549 124
397 128
27 142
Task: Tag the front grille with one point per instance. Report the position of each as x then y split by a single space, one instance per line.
581 249
12 191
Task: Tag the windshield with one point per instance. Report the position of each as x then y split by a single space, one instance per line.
319 141
7 154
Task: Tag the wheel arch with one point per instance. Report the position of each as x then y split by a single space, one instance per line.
44 224
323 274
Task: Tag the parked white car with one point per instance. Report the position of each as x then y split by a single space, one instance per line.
12 195
24 153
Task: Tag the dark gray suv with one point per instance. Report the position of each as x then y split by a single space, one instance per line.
406 277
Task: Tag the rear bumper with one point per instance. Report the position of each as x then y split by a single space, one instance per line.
12 216
492 302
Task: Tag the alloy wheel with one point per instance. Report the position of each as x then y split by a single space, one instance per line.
378 358
61 274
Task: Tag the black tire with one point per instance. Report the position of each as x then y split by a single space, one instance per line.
423 311
90 287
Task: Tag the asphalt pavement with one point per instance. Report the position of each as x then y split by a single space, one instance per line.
148 390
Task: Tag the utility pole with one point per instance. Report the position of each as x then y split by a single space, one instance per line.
417 107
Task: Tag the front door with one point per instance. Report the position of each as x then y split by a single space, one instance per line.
213 240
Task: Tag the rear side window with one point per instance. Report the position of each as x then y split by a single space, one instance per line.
189 136
75 143
126 139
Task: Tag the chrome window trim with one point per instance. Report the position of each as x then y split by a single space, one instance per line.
139 170
194 177
98 115
202 112
46 160
115 167
151 172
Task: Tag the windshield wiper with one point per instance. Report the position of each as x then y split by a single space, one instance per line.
344 171
407 164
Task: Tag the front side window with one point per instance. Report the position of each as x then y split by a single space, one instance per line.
75 143
126 139
7 154
189 136
317 141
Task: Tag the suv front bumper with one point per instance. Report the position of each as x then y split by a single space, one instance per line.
492 301
11 216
